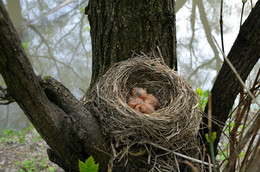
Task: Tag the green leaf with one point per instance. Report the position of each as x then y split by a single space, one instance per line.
51 169
241 154
82 9
24 45
46 77
206 94
214 136
88 28
207 137
82 166
199 91
89 165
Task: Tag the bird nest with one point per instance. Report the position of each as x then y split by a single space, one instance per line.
174 126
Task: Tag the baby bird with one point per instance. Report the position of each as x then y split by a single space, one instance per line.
134 100
145 108
140 92
143 102
150 99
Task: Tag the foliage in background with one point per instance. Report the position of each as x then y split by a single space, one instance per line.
20 159
203 98
25 47
12 135
34 165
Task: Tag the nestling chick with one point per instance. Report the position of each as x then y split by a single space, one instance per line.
140 92
145 108
134 100
150 99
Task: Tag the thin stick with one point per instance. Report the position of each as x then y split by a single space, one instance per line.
236 73
221 25
211 146
179 154
248 153
191 166
251 131
243 6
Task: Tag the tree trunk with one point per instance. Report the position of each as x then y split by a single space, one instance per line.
121 28
70 130
244 54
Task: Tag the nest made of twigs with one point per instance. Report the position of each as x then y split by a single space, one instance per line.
173 126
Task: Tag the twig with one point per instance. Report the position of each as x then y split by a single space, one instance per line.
179 154
221 25
247 104
209 160
236 74
210 138
223 161
243 6
253 129
251 4
255 155
239 117
191 166
248 153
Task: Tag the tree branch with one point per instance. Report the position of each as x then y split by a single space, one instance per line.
243 55
5 97
68 128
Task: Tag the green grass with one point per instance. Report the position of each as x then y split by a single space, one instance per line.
11 135
31 161
34 165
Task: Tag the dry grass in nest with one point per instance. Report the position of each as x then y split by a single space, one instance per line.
173 126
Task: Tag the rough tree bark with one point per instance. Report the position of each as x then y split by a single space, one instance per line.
244 54
67 127
119 28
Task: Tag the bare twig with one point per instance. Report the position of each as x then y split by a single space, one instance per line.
239 117
253 164
191 166
251 4
221 25
209 160
253 129
210 137
243 6
248 153
179 154
236 74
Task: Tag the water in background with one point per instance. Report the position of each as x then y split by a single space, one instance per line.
58 43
